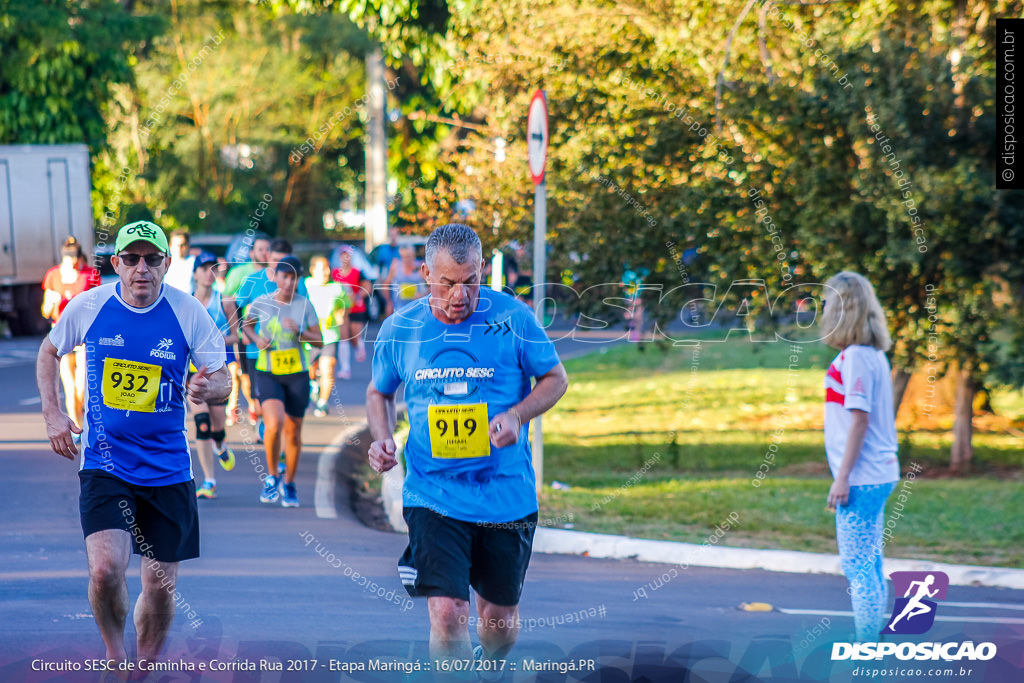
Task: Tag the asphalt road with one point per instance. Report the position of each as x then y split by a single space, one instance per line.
286 587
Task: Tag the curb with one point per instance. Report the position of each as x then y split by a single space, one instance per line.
608 546
558 541
329 467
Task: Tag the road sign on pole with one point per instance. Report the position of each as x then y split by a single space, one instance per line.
537 136
537 146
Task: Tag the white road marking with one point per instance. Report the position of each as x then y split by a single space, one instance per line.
984 605
973 620
30 401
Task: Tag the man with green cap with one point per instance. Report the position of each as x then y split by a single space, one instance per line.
137 489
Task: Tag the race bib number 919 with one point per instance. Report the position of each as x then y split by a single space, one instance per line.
459 431
130 385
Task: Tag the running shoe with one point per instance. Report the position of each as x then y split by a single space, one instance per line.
226 458
233 417
321 409
289 496
253 417
314 390
270 491
360 354
207 490
487 671
344 373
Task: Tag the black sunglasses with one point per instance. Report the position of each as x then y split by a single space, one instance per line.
132 260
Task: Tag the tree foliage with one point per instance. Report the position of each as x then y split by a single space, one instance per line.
60 60
661 136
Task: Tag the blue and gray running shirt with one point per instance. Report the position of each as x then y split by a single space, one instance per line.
136 362
457 378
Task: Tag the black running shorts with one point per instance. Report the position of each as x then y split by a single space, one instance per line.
162 520
292 390
446 556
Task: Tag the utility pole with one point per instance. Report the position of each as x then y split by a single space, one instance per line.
376 152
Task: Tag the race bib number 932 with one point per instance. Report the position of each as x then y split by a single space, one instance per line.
130 385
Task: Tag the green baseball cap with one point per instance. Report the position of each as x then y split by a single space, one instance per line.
141 231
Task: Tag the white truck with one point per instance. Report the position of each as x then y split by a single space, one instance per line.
44 198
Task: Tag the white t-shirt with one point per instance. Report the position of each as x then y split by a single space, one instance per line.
859 379
179 274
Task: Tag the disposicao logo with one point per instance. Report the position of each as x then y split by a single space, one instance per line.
914 614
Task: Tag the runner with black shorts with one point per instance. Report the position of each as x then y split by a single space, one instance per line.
467 356
137 490
280 324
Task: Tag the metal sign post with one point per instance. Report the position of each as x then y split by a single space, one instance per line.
537 145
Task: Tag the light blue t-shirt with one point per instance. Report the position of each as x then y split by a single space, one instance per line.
138 357
489 358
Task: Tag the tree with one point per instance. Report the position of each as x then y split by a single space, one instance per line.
236 105
638 165
60 60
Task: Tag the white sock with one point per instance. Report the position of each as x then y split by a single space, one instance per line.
346 357
211 482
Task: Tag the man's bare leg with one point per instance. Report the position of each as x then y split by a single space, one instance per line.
154 610
498 628
108 552
449 635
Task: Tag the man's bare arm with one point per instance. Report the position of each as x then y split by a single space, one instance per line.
58 425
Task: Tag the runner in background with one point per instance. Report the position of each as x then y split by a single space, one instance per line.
407 283
62 283
329 299
387 255
256 285
179 273
356 316
210 417
259 253
278 324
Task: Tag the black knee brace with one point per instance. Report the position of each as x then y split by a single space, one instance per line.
202 426
218 436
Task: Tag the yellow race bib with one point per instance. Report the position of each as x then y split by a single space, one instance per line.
408 291
130 385
459 431
285 362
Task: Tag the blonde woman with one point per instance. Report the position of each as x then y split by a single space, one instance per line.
860 440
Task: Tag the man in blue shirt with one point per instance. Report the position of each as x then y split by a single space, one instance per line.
137 489
467 357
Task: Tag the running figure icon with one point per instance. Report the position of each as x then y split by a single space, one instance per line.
921 592
914 606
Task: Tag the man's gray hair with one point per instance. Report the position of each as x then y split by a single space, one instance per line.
457 239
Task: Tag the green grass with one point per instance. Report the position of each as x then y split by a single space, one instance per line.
666 445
